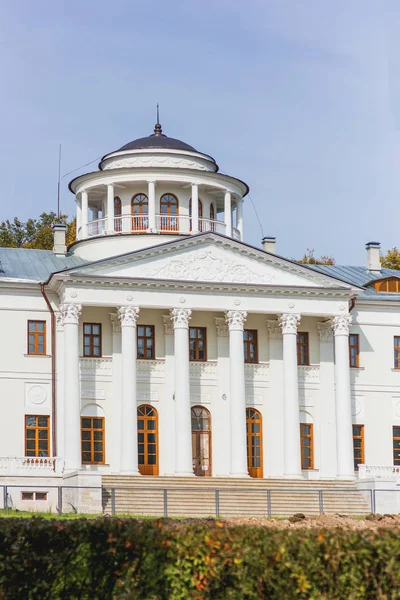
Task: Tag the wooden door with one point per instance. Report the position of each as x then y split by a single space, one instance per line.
254 442
201 441
147 440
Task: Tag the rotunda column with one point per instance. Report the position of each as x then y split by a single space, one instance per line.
183 426
110 208
292 462
237 395
344 427
72 398
129 439
78 218
151 187
84 216
195 208
240 217
228 213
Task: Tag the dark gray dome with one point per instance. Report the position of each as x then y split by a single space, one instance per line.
157 140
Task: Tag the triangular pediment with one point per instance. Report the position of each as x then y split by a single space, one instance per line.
210 260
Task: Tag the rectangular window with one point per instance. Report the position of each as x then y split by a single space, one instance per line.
397 352
303 357
92 340
250 345
358 445
354 349
396 446
37 438
197 343
34 495
37 337
27 495
41 496
145 341
307 446
92 439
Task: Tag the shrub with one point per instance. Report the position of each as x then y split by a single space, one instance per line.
125 559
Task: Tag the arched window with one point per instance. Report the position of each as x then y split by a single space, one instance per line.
254 442
169 208
147 440
201 441
140 211
200 214
390 284
212 212
117 214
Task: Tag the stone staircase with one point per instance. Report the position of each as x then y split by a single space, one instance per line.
228 497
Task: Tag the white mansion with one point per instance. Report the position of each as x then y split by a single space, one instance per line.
159 343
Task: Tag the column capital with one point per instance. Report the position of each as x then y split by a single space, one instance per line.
180 317
289 322
128 315
70 313
235 319
325 331
341 325
274 330
222 327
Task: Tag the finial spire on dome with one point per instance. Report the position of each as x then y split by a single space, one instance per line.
157 128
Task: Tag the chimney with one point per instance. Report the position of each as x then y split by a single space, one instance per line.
268 244
59 239
373 256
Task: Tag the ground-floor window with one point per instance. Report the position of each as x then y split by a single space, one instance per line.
254 442
201 441
147 440
92 440
37 435
307 445
396 446
358 445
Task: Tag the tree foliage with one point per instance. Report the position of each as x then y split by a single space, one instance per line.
391 260
35 233
310 259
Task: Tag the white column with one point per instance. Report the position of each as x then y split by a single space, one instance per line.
183 427
95 212
116 394
221 415
195 208
129 443
344 428
239 215
289 323
84 215
328 458
228 213
167 415
237 397
274 425
78 218
152 205
72 397
110 208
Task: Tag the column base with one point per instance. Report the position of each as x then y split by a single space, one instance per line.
346 477
135 473
240 475
293 476
186 474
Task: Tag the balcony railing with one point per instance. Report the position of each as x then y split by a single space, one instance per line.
379 472
181 224
23 465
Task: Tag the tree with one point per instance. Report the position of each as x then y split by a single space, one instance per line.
34 233
391 260
310 259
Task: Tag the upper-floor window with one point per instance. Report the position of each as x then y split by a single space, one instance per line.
37 337
92 339
145 341
37 435
117 214
358 445
396 446
92 440
396 352
307 445
212 212
354 349
140 211
390 284
250 345
197 343
169 209
303 353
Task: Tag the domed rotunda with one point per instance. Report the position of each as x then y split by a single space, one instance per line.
152 190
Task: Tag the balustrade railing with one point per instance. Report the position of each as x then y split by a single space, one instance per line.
22 465
378 472
96 227
211 225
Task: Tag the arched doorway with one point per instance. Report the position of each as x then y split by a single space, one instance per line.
201 441
169 208
140 212
200 204
117 214
147 440
254 442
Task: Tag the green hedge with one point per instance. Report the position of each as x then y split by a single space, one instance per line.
161 560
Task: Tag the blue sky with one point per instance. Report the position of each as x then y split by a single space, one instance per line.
300 98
